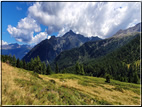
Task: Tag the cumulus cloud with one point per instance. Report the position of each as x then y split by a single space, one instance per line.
39 37
29 23
25 30
101 19
3 42
89 18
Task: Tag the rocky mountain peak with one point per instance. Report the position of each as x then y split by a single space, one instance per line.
128 31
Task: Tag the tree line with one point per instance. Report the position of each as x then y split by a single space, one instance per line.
34 65
122 64
116 69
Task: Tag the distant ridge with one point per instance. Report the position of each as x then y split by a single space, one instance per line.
15 49
129 31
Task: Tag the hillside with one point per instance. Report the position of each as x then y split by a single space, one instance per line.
92 50
96 49
122 64
22 87
48 49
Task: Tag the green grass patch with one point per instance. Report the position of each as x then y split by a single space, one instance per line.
32 89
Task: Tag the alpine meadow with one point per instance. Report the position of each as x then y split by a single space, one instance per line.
71 53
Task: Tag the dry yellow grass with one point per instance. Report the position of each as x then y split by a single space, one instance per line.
9 87
115 97
103 92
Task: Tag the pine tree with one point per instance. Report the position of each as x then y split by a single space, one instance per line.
43 68
24 64
2 58
107 78
89 69
77 68
28 66
21 64
64 70
14 60
57 69
82 70
10 59
130 73
31 65
18 63
37 65
48 70
136 78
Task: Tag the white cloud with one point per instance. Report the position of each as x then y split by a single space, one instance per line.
21 35
39 37
91 19
101 19
29 23
3 42
25 30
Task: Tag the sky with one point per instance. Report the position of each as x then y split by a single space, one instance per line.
32 22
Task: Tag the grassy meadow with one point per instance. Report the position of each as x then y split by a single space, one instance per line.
22 87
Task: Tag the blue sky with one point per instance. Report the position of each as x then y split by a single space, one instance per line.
12 13
32 22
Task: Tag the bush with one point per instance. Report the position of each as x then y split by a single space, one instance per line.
107 78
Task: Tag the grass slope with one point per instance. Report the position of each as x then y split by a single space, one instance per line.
22 87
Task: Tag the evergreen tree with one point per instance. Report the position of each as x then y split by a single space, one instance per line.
107 78
64 70
48 70
31 65
18 63
57 69
43 68
14 60
10 59
136 78
130 73
77 68
37 65
89 70
81 70
28 66
21 64
3 58
24 64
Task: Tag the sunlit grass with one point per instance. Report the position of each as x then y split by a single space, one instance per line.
22 87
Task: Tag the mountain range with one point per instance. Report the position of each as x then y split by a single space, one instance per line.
117 56
129 31
72 47
49 49
96 49
15 49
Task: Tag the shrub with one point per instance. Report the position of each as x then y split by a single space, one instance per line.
107 78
